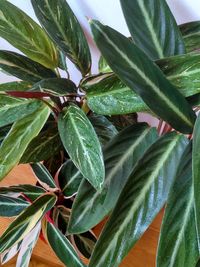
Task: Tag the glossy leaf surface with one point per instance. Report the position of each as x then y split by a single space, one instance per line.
15 86
25 34
120 154
82 144
128 62
141 199
153 27
10 206
191 35
18 138
63 27
178 244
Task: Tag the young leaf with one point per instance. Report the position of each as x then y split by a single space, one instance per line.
178 244
69 179
191 35
141 199
25 34
15 109
196 172
128 62
62 247
44 177
18 138
120 154
64 29
27 246
10 206
15 86
55 86
82 144
103 66
26 221
153 27
23 68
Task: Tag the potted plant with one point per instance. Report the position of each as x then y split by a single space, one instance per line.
90 156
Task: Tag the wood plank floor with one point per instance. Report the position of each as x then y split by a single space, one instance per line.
142 255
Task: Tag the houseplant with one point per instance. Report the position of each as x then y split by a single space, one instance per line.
90 157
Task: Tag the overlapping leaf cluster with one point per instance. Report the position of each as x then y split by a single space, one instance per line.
90 157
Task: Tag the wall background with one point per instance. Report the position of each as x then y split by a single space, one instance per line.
109 12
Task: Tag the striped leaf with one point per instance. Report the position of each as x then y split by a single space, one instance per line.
63 27
15 86
62 247
55 86
178 244
153 27
191 35
196 172
18 138
141 199
26 35
44 177
3 132
10 206
120 154
10 253
27 246
30 191
103 66
128 62
44 146
69 179
23 67
15 109
82 144
26 221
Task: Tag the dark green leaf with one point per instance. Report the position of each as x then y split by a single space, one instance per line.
82 144
15 109
128 62
15 86
153 27
10 253
26 221
26 35
178 244
19 137
44 177
10 206
55 86
3 132
62 247
63 27
120 154
194 100
69 179
141 199
191 35
22 67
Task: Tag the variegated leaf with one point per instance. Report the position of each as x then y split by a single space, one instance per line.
10 206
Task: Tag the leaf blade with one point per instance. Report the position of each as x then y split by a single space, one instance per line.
10 207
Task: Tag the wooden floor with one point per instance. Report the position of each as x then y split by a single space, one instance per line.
142 255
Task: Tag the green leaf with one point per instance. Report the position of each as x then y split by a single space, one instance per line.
128 62
27 246
191 35
44 177
30 191
153 27
62 247
104 129
10 206
15 86
3 132
63 27
69 179
10 253
178 244
25 34
26 221
141 199
22 67
44 146
103 66
82 144
55 86
18 138
196 172
194 100
15 109
120 154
